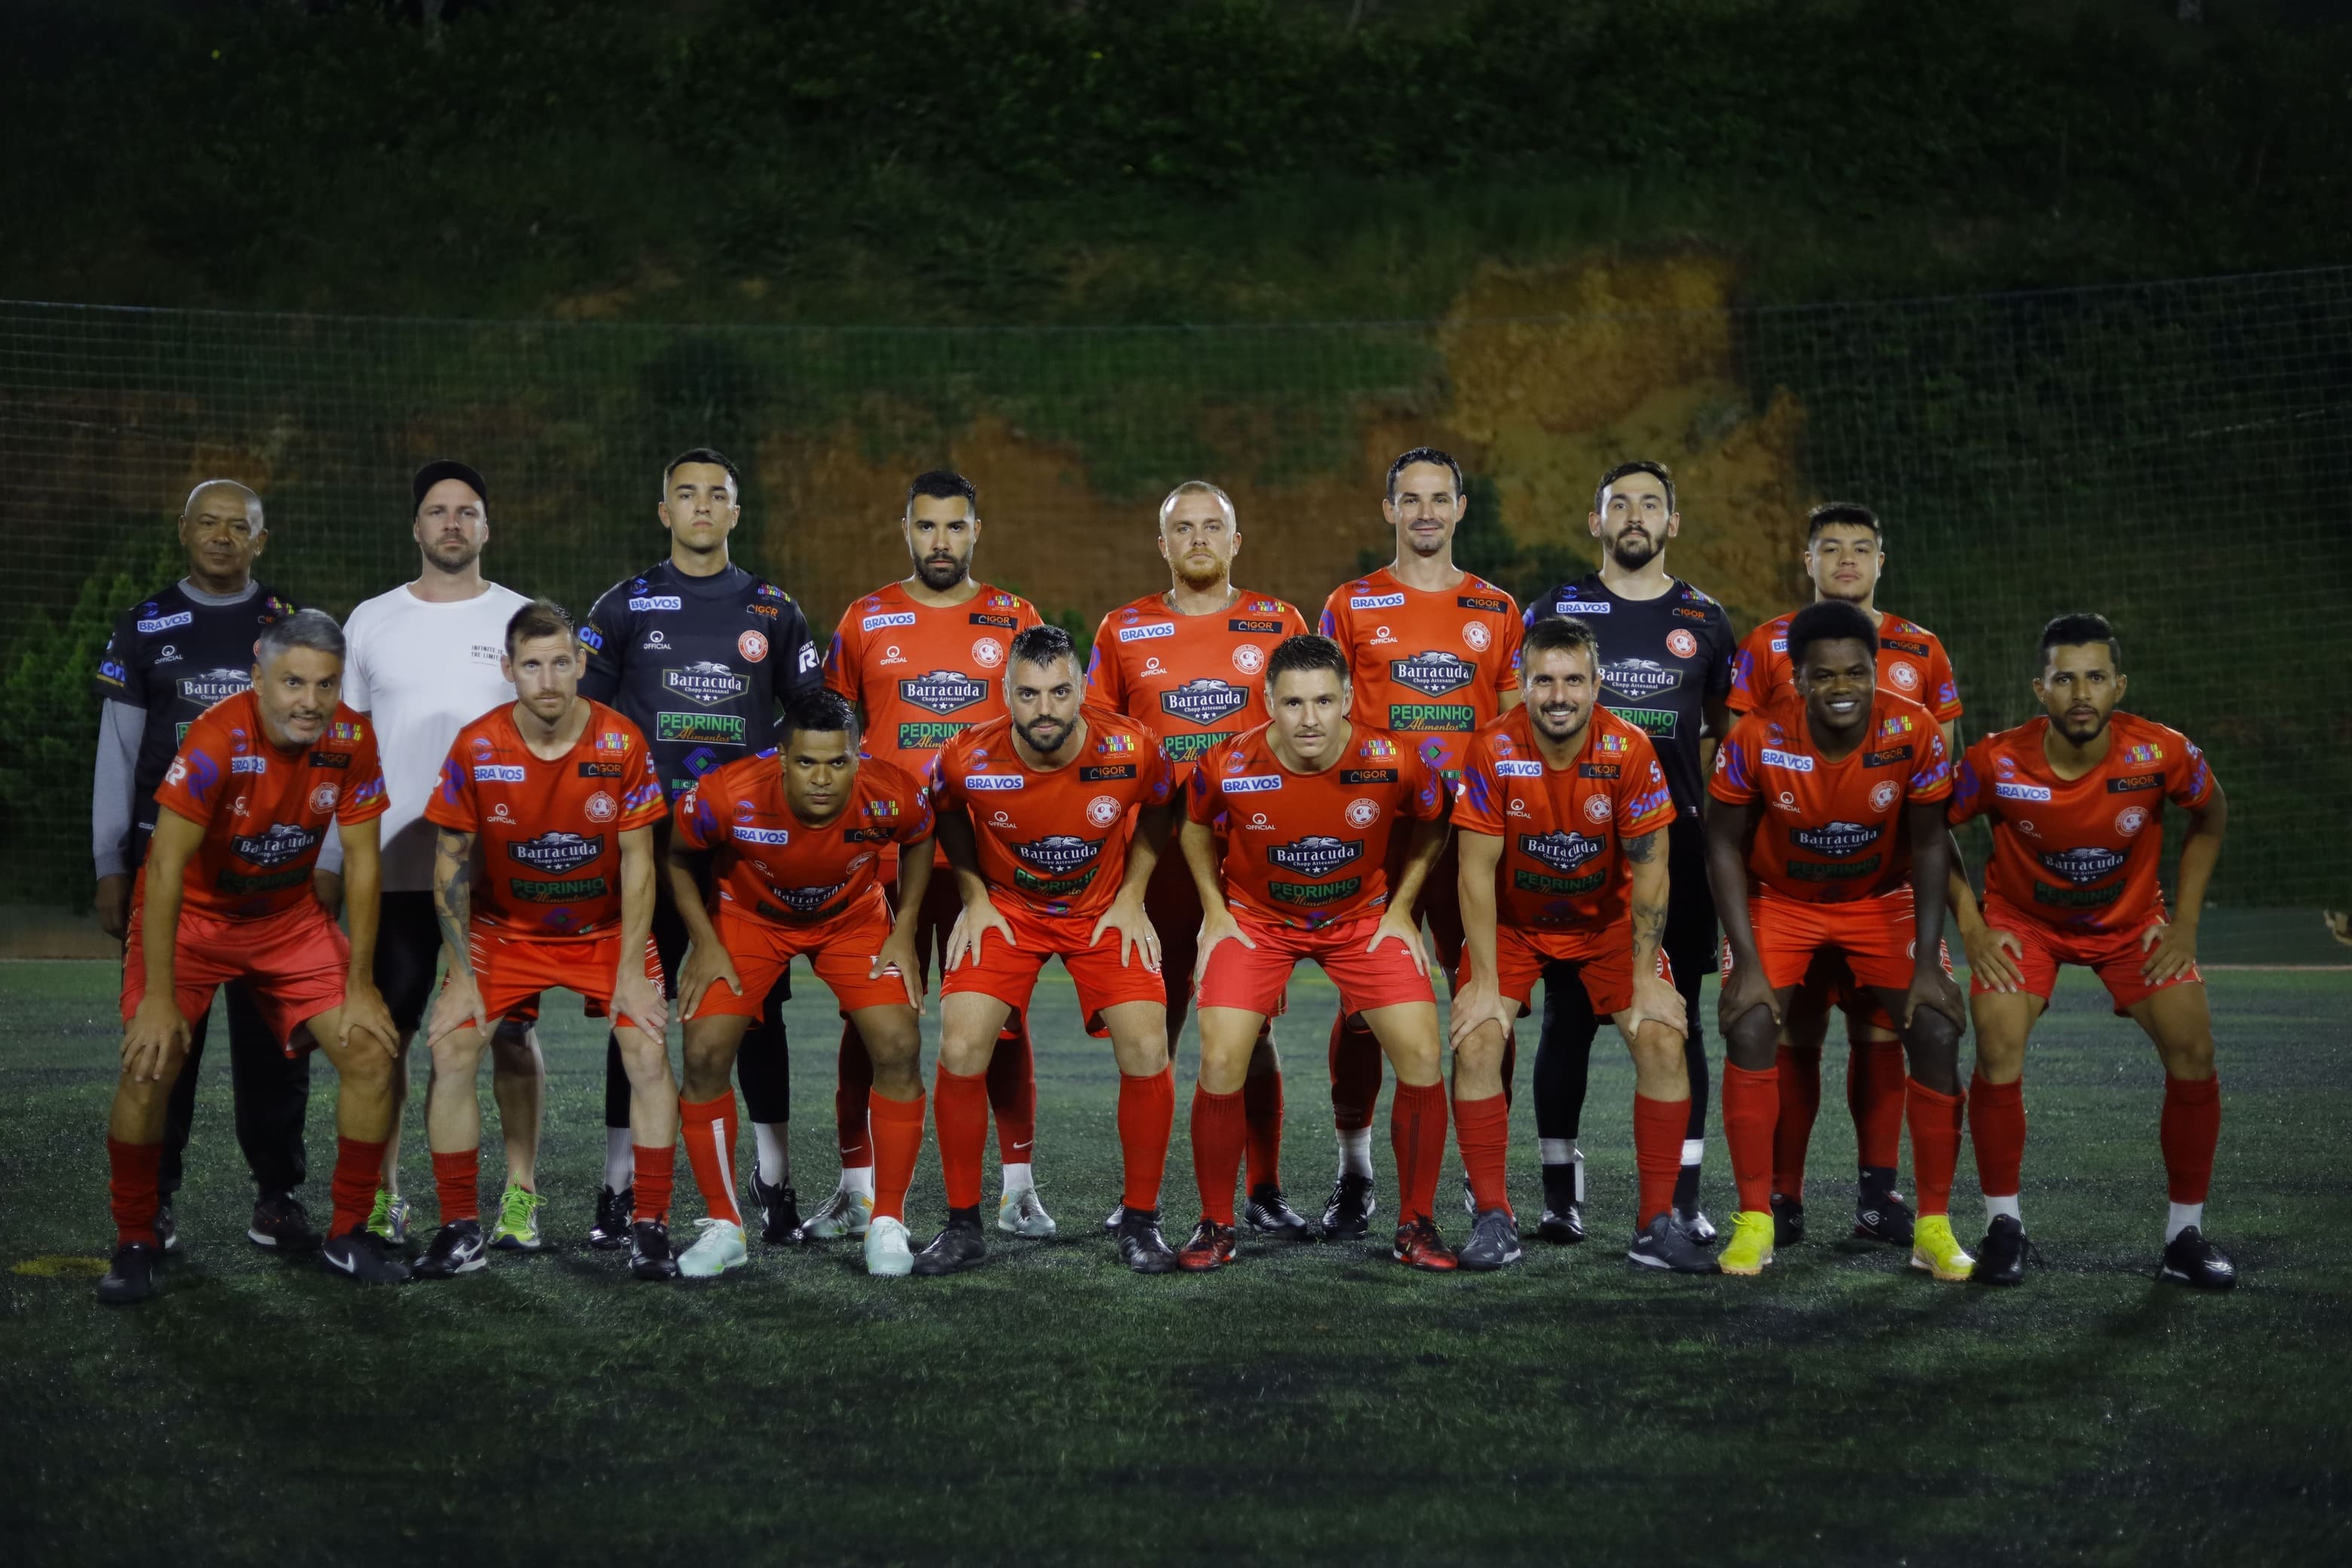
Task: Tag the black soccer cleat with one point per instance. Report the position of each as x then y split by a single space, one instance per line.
650 1257
1883 1216
167 1229
779 1211
1563 1227
2190 1259
1111 1220
281 1224
1142 1246
1347 1217
1268 1213
457 1248
1665 1244
2002 1254
132 1276
1693 1222
1494 1242
363 1258
610 1231
958 1246
1788 1221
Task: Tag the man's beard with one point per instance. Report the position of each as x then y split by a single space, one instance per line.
1633 551
1583 717
1059 731
464 555
939 576
1196 577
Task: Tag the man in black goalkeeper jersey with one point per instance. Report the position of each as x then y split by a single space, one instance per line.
701 656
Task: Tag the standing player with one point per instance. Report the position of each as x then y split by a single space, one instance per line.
559 795
1562 809
169 660
923 658
1846 556
224 895
1666 667
697 654
1190 665
1038 810
1826 835
1308 805
1432 652
2074 799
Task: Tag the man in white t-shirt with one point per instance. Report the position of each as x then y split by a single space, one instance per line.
422 663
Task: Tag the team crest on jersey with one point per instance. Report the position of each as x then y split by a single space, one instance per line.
2130 820
1597 808
707 682
988 653
753 645
213 686
1104 810
1836 841
2083 867
1363 812
1204 702
1476 635
1317 855
285 841
554 854
1639 677
1563 852
1432 674
1681 644
1249 658
1882 794
600 807
1905 676
323 798
942 691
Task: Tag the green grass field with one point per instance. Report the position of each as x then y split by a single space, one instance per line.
1317 1403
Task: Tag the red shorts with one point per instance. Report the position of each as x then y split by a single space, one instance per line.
1008 971
1604 960
1875 935
841 950
511 970
1254 978
294 962
2115 955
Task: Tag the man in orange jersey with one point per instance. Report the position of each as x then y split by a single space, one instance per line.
1433 654
1562 820
923 659
2076 800
1825 835
224 895
1846 556
798 832
543 876
1190 665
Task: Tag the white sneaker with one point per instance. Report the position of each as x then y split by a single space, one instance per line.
887 1253
1024 1214
847 1212
718 1249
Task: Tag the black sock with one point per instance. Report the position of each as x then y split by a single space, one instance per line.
1877 1183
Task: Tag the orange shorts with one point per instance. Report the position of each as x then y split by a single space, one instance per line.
841 951
294 964
1604 960
1008 971
2115 955
1875 937
511 970
1254 978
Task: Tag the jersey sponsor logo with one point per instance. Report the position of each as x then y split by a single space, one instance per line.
655 601
699 729
1691 615
1204 701
942 691
1483 602
1421 717
644 794
1368 775
1681 644
2020 791
1311 894
1655 722
568 892
1252 784
1890 756
2076 898
988 653
981 618
213 686
1271 627
1561 851
249 764
928 734
1518 768
1558 887
2130 782
1917 649
2140 756
767 611
1315 855
1147 631
1837 840
589 637
1584 607
769 591
2083 867
165 623
1901 725
1794 762
1376 601
761 835
707 681
1115 745
1063 862
600 770
1106 773
331 758
557 852
1833 870
1639 677
613 741
1432 674
1187 748
1599 770
285 841
894 618
985 782
499 774
112 670
800 900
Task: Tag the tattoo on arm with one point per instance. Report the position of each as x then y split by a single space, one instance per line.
453 874
1649 926
1643 849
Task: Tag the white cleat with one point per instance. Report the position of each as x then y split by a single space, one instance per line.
887 1253
718 1249
847 1212
1024 1214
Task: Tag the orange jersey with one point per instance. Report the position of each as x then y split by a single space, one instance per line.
2080 853
1911 664
1192 680
774 866
1311 849
549 833
1055 842
1432 666
1832 833
265 809
1562 828
923 675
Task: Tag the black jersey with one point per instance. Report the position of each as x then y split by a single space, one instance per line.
699 663
174 657
1662 661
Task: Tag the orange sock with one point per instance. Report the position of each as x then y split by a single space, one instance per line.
656 1172
1874 1075
897 1141
706 1128
1219 1130
1997 1128
960 1118
1751 1110
133 1168
1482 1130
359 1166
1147 1115
1417 1139
1935 1144
1658 1126
457 1184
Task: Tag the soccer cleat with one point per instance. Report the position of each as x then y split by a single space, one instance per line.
718 1248
388 1220
848 1212
1494 1242
1883 1216
1934 1248
1111 1220
1347 1217
1268 1213
1024 1214
2001 1254
364 1258
1665 1244
1419 1246
1210 1246
1469 1197
1694 1223
1142 1246
457 1249
780 1213
281 1224
650 1257
2190 1259
610 1231
887 1253
518 1227
1750 1247
132 1276
167 1229
958 1246
1788 1220
1565 1227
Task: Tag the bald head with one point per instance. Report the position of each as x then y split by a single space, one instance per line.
222 530
218 495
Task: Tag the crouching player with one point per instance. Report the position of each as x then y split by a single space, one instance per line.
224 895
1826 835
2076 800
1306 804
798 834
557 793
1562 816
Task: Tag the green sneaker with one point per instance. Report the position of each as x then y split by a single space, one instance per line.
518 1227
389 1218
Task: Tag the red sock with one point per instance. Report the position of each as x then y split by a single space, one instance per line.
706 1128
1658 1127
1013 1093
1934 1143
1355 1075
897 1141
2188 1132
1219 1131
1147 1115
1751 1110
1261 1105
656 1173
851 1091
1996 1127
1417 1138
1874 1074
959 1117
1482 1130
359 1167
1800 1103
131 1170
457 1184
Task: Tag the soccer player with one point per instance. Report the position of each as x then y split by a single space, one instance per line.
2076 800
1826 835
1190 665
1846 556
698 654
224 895
1433 654
424 659
1561 820
1666 667
170 658
1308 805
923 658
1052 817
798 832
558 794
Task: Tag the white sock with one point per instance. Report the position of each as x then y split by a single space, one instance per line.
1019 1178
1356 1152
620 1159
1996 1207
1563 1152
776 1154
1694 1151
859 1180
2179 1217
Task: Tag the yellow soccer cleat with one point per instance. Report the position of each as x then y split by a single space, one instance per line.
1750 1247
1934 1248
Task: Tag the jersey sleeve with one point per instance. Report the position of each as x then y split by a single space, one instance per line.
364 797
111 680
1723 650
945 792
1333 624
1943 685
2190 784
1482 789
841 660
1025 614
917 821
1735 763
1508 650
452 804
192 784
1931 780
605 633
793 640
1751 671
1429 800
357 694
695 818
642 801
1645 803
1203 801
1105 684
1969 797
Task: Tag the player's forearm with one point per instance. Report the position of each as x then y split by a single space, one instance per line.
1198 841
638 895
362 894
684 869
160 921
111 787
1726 878
1143 854
2200 851
453 897
1967 915
1931 871
1475 890
1649 904
914 884
964 858
1428 845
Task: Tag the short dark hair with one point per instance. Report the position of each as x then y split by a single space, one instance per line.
1304 652
1042 644
1558 634
1831 620
943 484
822 712
1657 471
1837 511
711 455
2075 630
540 618
1424 455
313 629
